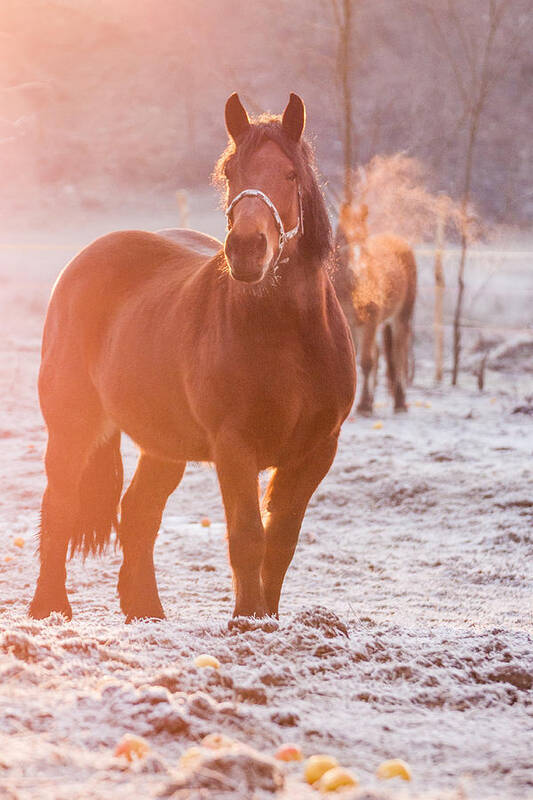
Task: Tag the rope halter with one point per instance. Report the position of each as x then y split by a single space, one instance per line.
284 236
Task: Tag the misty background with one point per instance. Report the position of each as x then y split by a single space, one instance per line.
121 101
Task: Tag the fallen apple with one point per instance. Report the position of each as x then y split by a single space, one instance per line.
205 660
132 747
215 741
317 765
336 778
289 752
190 757
394 768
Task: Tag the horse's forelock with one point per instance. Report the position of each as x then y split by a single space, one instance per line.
315 243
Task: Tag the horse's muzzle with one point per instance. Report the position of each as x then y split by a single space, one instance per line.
246 256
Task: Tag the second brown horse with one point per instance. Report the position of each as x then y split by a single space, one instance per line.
376 284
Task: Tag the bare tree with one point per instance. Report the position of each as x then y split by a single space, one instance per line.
439 291
469 46
343 14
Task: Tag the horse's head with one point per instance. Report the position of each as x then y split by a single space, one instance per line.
353 223
263 189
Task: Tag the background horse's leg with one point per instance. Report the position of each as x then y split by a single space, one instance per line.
284 505
366 356
237 474
400 358
141 511
375 367
389 357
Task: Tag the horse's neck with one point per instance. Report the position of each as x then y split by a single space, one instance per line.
359 257
355 253
297 293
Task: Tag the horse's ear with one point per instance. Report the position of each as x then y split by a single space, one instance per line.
293 120
363 211
237 121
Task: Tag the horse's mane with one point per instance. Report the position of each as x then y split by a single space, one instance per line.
315 244
342 273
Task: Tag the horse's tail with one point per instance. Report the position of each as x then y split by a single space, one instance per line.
343 278
99 497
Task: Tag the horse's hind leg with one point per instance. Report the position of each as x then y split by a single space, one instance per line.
375 366
389 357
397 358
141 511
284 505
66 457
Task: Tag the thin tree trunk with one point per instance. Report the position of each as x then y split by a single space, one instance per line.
182 200
439 296
482 88
459 306
345 69
464 244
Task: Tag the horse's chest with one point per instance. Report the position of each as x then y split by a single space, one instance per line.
279 382
380 287
277 395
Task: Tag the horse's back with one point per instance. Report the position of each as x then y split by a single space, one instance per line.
121 320
121 260
94 287
201 243
383 245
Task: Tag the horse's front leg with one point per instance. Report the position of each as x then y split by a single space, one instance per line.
367 354
237 471
284 506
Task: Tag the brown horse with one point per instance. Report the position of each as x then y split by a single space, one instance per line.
236 354
376 285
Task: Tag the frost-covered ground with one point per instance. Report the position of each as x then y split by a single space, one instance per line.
406 619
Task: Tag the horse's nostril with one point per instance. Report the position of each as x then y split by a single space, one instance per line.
261 244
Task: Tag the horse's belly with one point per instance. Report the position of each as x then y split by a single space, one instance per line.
145 396
172 434
170 439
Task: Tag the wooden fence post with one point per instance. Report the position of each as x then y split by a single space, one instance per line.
183 208
439 292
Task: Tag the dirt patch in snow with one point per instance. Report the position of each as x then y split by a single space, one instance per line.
405 627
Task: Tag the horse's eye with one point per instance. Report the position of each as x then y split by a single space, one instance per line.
291 176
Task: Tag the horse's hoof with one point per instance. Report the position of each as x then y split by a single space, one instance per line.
146 608
144 618
241 624
42 608
364 411
150 613
400 409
